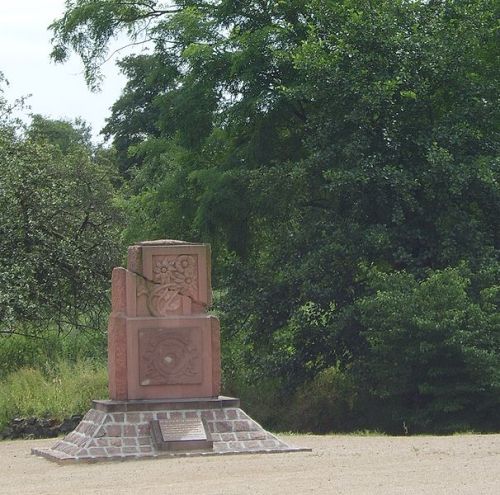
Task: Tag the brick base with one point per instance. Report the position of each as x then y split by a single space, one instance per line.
120 430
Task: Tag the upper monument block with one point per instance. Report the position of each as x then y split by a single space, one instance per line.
174 277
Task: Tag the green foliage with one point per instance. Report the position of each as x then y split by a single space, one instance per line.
307 140
432 355
21 351
58 227
326 403
57 392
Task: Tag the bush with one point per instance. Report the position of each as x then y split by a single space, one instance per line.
325 404
433 358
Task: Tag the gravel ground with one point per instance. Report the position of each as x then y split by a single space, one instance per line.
338 464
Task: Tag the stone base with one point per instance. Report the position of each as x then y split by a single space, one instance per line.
121 430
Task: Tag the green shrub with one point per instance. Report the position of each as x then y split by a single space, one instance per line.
325 404
433 358
57 392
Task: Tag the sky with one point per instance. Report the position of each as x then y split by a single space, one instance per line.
58 90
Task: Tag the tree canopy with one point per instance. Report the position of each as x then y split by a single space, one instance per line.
321 146
58 226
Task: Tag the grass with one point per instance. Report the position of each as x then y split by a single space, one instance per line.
57 392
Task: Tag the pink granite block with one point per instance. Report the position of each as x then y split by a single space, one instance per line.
257 435
113 451
97 451
269 444
117 337
130 450
235 445
231 414
223 426
114 430
241 425
208 415
116 442
118 417
143 429
147 417
219 414
129 431
243 435
252 444
130 442
133 418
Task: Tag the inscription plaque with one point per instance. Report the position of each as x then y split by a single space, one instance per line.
181 434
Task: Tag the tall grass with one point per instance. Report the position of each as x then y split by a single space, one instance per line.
57 391
19 351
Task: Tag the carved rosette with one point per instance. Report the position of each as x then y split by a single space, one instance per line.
169 356
173 277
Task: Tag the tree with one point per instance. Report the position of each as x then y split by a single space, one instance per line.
306 139
58 228
433 357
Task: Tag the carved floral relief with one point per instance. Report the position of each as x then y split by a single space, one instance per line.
173 277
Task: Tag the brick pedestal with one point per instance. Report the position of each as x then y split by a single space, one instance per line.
121 430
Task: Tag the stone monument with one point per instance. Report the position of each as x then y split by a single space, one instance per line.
164 368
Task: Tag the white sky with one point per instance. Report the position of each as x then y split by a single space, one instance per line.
58 90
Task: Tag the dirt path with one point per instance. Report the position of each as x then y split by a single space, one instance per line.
350 465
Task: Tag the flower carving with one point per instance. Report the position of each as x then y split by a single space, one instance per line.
173 277
177 274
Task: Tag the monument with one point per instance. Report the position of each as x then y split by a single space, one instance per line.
164 368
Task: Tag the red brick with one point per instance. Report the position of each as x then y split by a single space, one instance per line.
257 435
130 442
269 444
147 416
241 426
143 429
252 444
113 451
231 414
133 418
130 450
114 430
208 415
97 451
129 431
219 414
118 417
223 426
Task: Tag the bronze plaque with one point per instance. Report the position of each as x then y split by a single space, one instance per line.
181 434
175 430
